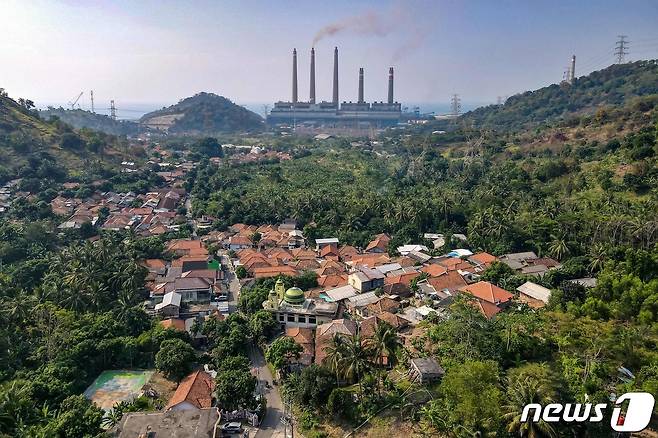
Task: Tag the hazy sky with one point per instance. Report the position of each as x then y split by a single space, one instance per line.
160 51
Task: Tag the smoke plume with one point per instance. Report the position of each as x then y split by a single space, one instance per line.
369 23
374 23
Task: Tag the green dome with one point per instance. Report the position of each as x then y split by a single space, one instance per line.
294 295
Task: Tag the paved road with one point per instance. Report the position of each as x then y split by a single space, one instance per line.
271 426
234 285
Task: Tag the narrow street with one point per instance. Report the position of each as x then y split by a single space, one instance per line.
271 426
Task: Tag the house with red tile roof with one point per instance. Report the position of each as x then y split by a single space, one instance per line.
273 271
194 392
434 270
325 332
305 338
490 299
482 258
379 244
332 281
450 281
175 323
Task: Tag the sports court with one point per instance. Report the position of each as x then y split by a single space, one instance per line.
113 386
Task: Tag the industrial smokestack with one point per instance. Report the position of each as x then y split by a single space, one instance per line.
294 75
312 91
361 86
335 98
390 86
573 69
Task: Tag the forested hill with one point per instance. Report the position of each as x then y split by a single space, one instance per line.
86 119
203 113
31 146
614 85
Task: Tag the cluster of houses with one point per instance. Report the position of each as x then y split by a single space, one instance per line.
241 154
185 291
359 288
6 194
152 213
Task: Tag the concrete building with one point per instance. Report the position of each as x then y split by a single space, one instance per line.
293 309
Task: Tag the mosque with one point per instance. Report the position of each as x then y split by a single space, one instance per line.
293 309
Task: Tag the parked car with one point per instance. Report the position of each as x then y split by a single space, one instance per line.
231 428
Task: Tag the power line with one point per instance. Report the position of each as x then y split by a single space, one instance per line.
621 49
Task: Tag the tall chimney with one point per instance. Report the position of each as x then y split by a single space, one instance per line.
312 91
361 86
335 99
573 69
294 75
390 86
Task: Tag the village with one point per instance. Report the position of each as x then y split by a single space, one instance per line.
357 290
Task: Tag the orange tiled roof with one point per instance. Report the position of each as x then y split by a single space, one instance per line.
273 271
488 292
434 270
379 242
174 323
196 389
450 280
333 280
482 258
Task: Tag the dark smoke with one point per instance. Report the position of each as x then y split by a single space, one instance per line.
374 23
369 23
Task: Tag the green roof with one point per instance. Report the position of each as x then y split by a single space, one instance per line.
294 295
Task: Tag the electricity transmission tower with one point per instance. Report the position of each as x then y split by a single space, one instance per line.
621 49
455 105
113 110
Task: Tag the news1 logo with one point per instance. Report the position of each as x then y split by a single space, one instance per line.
634 418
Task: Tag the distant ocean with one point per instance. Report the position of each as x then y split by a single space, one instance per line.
135 110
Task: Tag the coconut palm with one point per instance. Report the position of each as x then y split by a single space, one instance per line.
558 248
335 355
521 393
356 359
384 343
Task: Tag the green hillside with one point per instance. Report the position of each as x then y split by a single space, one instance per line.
614 85
203 113
31 146
79 118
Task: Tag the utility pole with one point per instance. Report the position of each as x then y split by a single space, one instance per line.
113 110
91 93
621 49
455 105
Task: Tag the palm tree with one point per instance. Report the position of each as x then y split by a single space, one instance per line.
356 360
558 247
335 355
521 393
383 343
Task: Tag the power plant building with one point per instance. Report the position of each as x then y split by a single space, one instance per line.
377 114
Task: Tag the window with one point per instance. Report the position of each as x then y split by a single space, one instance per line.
302 319
282 318
291 318
311 319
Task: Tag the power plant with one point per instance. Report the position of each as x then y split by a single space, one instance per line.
345 114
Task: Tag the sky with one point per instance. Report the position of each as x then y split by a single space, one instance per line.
158 52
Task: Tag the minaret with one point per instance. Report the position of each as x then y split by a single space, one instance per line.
311 98
335 98
361 100
294 75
